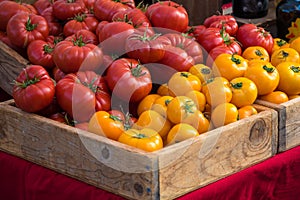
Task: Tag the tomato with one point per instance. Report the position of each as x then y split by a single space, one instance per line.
146 103
152 119
284 55
218 50
73 56
40 53
112 36
168 15
163 90
195 31
8 10
107 125
244 91
224 114
289 73
219 21
55 26
41 5
217 90
181 132
229 66
87 36
145 48
252 35
146 139
66 9
295 44
182 82
33 89
79 22
246 111
179 108
203 72
57 74
198 121
198 97
160 105
276 97
256 52
4 38
264 75
279 44
129 80
59 117
23 28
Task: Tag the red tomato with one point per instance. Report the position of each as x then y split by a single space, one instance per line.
24 27
251 35
4 38
79 22
66 9
33 89
195 31
168 15
57 74
129 80
72 56
87 36
41 5
219 21
9 9
55 26
104 10
40 53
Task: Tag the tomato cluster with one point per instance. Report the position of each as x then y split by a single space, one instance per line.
140 74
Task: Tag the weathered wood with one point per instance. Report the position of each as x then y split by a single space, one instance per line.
288 121
11 64
165 174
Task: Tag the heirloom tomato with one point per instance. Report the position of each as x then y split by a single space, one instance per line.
73 56
203 72
107 125
216 51
295 44
41 5
179 108
229 66
160 105
256 52
284 55
146 103
33 89
227 22
104 10
168 15
279 44
264 75
246 111
87 36
145 139
252 35
276 97
244 91
181 132
66 9
55 26
198 97
163 90
128 79
224 114
289 73
198 121
154 120
24 28
183 82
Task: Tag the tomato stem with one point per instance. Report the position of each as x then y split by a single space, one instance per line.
295 69
268 69
137 71
237 85
29 26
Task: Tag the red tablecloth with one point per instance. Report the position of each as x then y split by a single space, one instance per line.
275 178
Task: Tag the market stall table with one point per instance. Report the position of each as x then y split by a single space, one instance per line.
275 178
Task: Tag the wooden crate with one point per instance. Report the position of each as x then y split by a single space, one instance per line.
165 174
288 123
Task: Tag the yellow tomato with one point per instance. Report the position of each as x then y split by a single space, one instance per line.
163 90
152 119
203 72
179 108
104 124
229 66
183 82
224 114
244 91
199 98
264 75
276 97
146 102
160 105
295 44
289 81
284 55
279 44
256 53
181 132
247 111
198 121
217 90
146 139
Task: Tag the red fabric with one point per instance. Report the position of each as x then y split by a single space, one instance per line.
275 178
